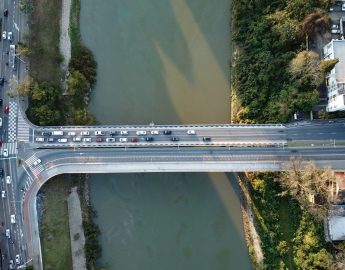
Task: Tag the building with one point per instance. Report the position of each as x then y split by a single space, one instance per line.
335 224
335 80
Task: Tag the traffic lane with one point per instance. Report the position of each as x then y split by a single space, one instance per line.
5 225
317 132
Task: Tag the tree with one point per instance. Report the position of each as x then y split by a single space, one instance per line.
327 65
44 115
306 72
77 84
22 49
316 22
83 117
309 185
25 6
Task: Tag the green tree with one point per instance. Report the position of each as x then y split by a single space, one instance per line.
26 6
77 84
327 65
44 115
22 49
83 117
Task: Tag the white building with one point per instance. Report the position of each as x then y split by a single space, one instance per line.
335 223
335 80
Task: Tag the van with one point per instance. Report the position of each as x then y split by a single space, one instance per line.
63 140
57 133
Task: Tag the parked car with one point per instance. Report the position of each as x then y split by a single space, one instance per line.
99 133
206 139
154 132
167 132
112 133
84 133
98 139
124 132
123 140
110 139
71 133
87 140
62 140
134 139
149 139
174 139
76 139
191 132
46 133
39 139
141 132
51 140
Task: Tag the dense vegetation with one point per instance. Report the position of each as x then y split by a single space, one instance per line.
268 35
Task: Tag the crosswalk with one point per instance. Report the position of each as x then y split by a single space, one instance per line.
23 128
11 148
36 170
12 122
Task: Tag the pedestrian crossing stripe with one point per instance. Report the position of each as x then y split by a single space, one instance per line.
11 147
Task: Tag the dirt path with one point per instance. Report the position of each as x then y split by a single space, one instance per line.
252 236
76 231
65 42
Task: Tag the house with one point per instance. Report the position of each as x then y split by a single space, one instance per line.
335 223
335 80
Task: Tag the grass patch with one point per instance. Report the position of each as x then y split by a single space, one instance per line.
54 228
45 57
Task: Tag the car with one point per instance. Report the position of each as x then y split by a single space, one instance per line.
191 132
11 265
3 194
0 122
98 139
135 139
335 31
110 139
4 35
6 12
99 133
8 233
206 139
8 179
1 101
154 132
141 132
112 133
1 172
167 132
38 161
51 139
343 7
149 139
46 133
17 259
62 140
1 142
71 133
76 139
124 132
6 109
335 26
331 9
84 133
9 36
87 140
39 139
174 139
5 152
2 81
123 140
13 219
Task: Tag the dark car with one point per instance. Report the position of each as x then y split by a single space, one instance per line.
175 139
206 139
1 172
2 81
6 109
5 12
149 139
1 101
112 133
1 143
46 133
99 139
134 139
51 140
167 132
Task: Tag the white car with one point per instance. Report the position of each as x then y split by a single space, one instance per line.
4 35
8 179
13 219
154 132
38 161
99 133
123 140
3 194
10 265
191 132
76 139
39 139
0 122
17 259
141 132
5 152
63 140
8 233
335 31
86 139
71 133
110 139
343 7
124 132
84 133
9 36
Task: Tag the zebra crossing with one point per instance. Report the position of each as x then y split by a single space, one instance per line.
36 170
11 147
23 129
12 122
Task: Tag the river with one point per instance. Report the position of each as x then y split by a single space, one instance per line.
167 62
